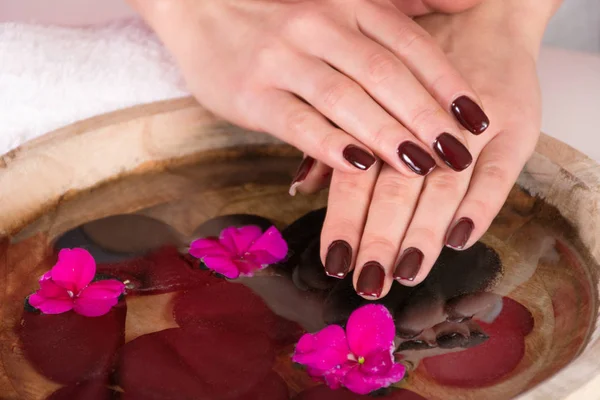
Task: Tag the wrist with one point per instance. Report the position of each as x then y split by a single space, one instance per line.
523 22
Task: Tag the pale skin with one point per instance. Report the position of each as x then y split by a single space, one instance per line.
371 77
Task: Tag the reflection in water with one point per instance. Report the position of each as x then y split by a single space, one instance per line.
225 338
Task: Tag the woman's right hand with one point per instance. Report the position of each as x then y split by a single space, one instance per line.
343 81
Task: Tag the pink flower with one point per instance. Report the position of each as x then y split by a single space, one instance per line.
68 286
240 251
360 359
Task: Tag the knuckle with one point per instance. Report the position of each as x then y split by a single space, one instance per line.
379 244
304 20
408 37
334 92
424 116
424 235
444 185
348 187
392 189
494 172
299 122
381 67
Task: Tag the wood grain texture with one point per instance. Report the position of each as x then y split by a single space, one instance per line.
37 179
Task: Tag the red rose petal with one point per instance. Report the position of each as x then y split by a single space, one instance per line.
95 390
514 317
489 362
70 348
324 393
162 271
194 364
272 388
235 307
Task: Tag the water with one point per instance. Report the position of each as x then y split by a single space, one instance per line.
489 322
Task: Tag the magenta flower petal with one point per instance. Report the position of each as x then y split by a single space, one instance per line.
222 265
359 382
269 248
370 329
74 270
98 298
239 240
322 351
51 298
208 247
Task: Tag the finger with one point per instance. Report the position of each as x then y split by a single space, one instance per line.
426 60
392 205
424 239
347 206
347 104
388 81
497 169
311 177
300 125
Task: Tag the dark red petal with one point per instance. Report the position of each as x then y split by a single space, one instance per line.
234 307
162 271
324 393
491 361
272 388
94 390
194 364
514 317
70 348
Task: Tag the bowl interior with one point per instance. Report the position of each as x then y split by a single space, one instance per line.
490 322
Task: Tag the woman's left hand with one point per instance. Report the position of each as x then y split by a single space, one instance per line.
386 226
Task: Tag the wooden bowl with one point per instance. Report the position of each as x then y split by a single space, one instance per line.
160 160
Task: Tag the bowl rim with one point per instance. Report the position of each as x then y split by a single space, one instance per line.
140 139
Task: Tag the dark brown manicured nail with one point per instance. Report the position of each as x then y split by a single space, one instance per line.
403 334
409 264
470 115
414 345
452 340
338 259
452 152
358 157
370 281
460 233
301 174
417 159
476 339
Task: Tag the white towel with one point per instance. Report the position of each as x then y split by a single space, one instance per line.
52 76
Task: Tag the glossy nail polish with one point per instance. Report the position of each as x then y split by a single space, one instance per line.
476 339
459 234
414 345
417 159
452 152
358 157
470 115
452 340
338 259
409 264
301 174
370 281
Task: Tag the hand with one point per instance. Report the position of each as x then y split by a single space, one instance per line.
390 227
290 67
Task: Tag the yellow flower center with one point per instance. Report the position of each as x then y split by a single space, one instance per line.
361 360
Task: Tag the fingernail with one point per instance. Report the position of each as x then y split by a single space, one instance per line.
452 340
338 259
470 115
476 339
358 157
417 159
370 281
453 152
409 264
301 174
459 234
414 345
406 334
